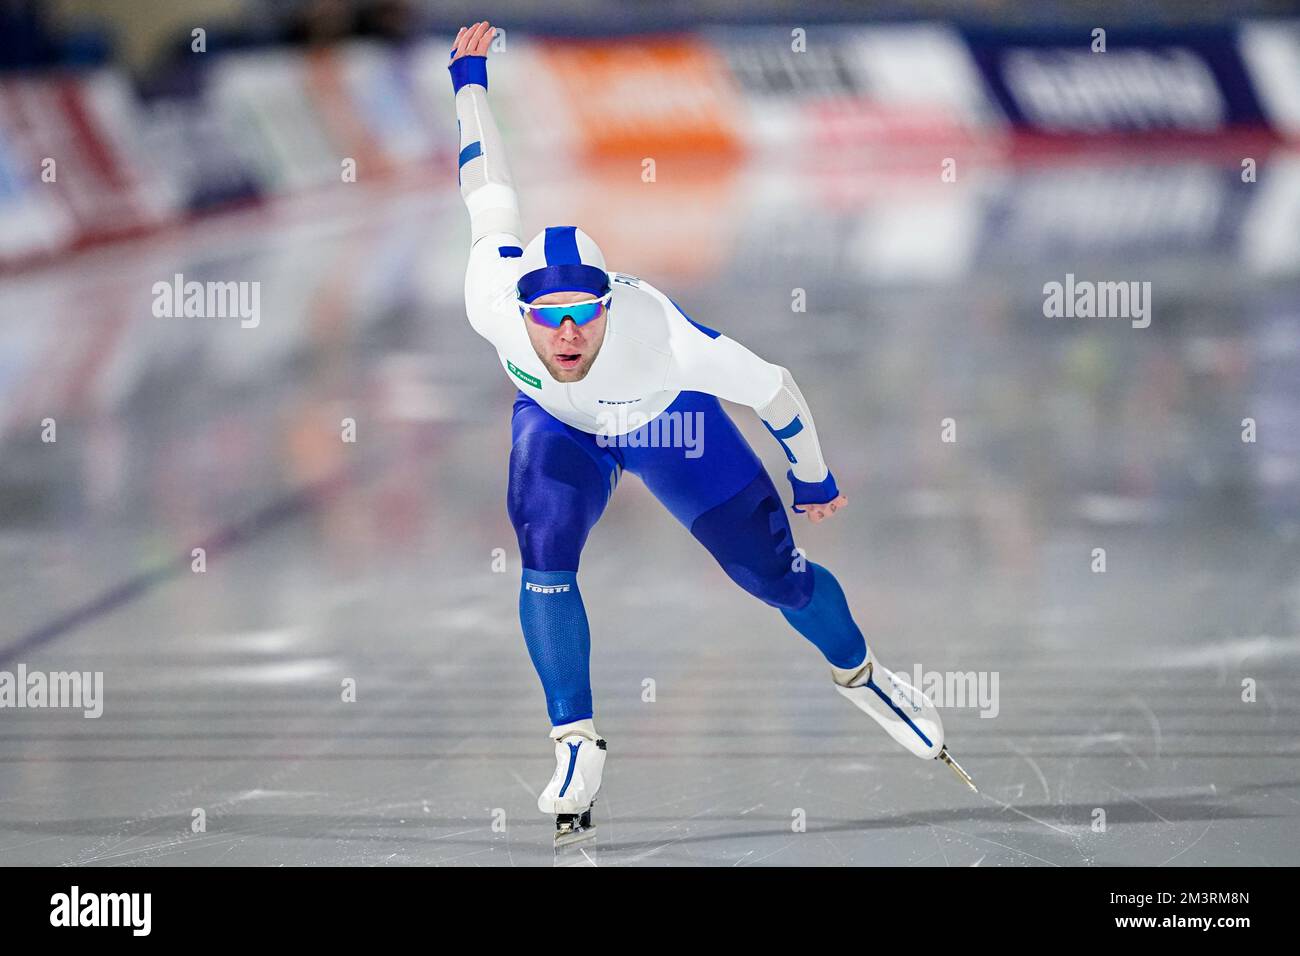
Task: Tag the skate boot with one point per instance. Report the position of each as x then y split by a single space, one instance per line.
906 714
579 761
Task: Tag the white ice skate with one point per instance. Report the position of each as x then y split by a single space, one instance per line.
905 712
579 761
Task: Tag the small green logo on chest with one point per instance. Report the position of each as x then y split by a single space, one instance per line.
523 376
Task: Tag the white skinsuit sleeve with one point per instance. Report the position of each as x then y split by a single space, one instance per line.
489 195
707 361
485 182
787 417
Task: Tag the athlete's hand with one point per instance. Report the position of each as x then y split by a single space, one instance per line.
819 513
474 40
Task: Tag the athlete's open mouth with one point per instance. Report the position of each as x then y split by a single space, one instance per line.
567 360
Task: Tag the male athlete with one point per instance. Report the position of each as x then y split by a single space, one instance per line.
597 356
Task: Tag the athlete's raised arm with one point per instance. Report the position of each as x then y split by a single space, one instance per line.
487 189
707 361
485 182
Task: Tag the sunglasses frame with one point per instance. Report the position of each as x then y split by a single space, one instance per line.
527 309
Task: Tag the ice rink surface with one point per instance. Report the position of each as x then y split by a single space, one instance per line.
1144 715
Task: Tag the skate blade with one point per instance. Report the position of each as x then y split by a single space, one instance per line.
575 835
957 769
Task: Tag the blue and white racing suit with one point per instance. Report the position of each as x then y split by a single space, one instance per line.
658 373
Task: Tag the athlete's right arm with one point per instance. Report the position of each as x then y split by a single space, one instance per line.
485 185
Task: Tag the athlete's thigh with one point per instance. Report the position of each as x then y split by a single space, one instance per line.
560 482
726 499
692 457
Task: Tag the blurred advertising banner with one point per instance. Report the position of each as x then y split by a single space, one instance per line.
805 93
1077 83
86 157
267 102
1272 54
75 167
658 94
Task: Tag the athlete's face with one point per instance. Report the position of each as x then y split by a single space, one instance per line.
567 352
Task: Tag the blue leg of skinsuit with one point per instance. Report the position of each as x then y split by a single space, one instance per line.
560 481
726 499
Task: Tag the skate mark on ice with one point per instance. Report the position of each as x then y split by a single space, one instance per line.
1033 765
960 833
766 856
522 782
973 836
688 837
939 844
1213 789
1013 809
1151 717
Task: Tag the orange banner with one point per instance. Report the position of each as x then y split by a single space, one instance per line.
670 94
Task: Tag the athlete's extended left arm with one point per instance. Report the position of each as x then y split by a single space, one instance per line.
790 421
707 361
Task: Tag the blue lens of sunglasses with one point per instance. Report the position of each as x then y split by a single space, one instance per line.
553 316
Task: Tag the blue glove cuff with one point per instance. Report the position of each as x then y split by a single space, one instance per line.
812 492
467 70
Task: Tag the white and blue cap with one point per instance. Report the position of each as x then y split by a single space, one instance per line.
562 259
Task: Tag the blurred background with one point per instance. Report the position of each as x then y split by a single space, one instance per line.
913 171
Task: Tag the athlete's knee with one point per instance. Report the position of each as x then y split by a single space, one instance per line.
555 494
786 587
790 591
750 537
